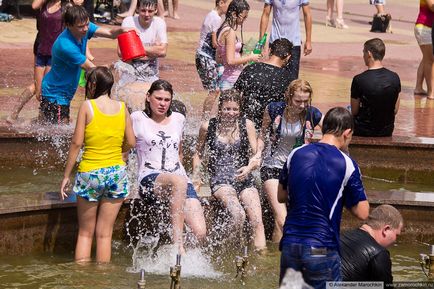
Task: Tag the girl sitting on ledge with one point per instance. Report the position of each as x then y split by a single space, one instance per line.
159 132
230 140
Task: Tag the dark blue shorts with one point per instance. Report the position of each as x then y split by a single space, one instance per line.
146 190
43 60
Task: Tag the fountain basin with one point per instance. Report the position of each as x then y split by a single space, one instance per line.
50 225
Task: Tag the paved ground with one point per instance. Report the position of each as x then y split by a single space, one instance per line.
336 58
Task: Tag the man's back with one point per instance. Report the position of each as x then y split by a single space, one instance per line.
321 179
363 259
378 91
260 84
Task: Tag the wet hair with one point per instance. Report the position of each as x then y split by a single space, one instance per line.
227 95
336 121
75 14
159 84
303 86
281 48
376 47
237 7
147 3
385 215
102 79
296 85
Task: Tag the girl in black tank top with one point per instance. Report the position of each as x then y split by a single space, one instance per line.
230 141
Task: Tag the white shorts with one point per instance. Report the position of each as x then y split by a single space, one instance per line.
377 2
423 34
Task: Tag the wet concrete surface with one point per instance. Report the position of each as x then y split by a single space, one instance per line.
336 58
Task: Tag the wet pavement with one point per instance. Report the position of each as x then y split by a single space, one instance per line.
336 58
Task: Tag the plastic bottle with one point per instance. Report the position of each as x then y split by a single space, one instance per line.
308 133
260 45
82 81
298 142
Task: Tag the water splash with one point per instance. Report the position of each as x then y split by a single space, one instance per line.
194 263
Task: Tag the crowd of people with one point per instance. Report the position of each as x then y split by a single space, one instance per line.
258 126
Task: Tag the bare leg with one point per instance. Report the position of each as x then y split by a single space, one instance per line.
107 213
86 213
194 218
431 80
173 188
25 96
340 8
209 104
419 80
340 23
166 7
279 210
250 200
330 7
380 8
160 9
330 21
427 59
175 9
228 197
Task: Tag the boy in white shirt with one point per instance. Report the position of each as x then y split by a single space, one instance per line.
137 75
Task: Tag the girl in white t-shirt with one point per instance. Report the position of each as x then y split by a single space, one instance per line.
161 174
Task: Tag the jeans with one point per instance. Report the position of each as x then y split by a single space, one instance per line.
316 267
293 64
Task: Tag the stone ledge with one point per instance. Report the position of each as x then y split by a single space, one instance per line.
394 197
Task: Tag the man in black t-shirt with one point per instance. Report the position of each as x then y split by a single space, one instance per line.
363 250
263 82
375 94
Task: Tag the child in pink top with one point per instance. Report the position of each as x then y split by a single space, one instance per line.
229 47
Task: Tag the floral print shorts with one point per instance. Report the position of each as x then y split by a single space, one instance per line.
110 183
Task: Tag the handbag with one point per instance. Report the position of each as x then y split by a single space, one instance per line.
381 23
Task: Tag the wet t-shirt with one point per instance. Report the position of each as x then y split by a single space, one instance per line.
261 83
157 145
363 259
320 180
147 70
210 24
378 91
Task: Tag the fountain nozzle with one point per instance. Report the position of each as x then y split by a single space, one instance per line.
175 274
427 263
241 262
142 282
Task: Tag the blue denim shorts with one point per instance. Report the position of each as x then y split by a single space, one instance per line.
110 183
146 190
43 60
317 265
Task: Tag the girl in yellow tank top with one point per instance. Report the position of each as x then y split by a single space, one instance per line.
101 184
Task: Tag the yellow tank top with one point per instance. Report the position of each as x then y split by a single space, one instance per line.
103 138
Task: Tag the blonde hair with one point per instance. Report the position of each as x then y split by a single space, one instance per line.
296 85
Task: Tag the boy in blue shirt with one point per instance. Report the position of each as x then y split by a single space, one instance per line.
68 58
317 181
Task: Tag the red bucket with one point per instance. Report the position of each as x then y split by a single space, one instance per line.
130 45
